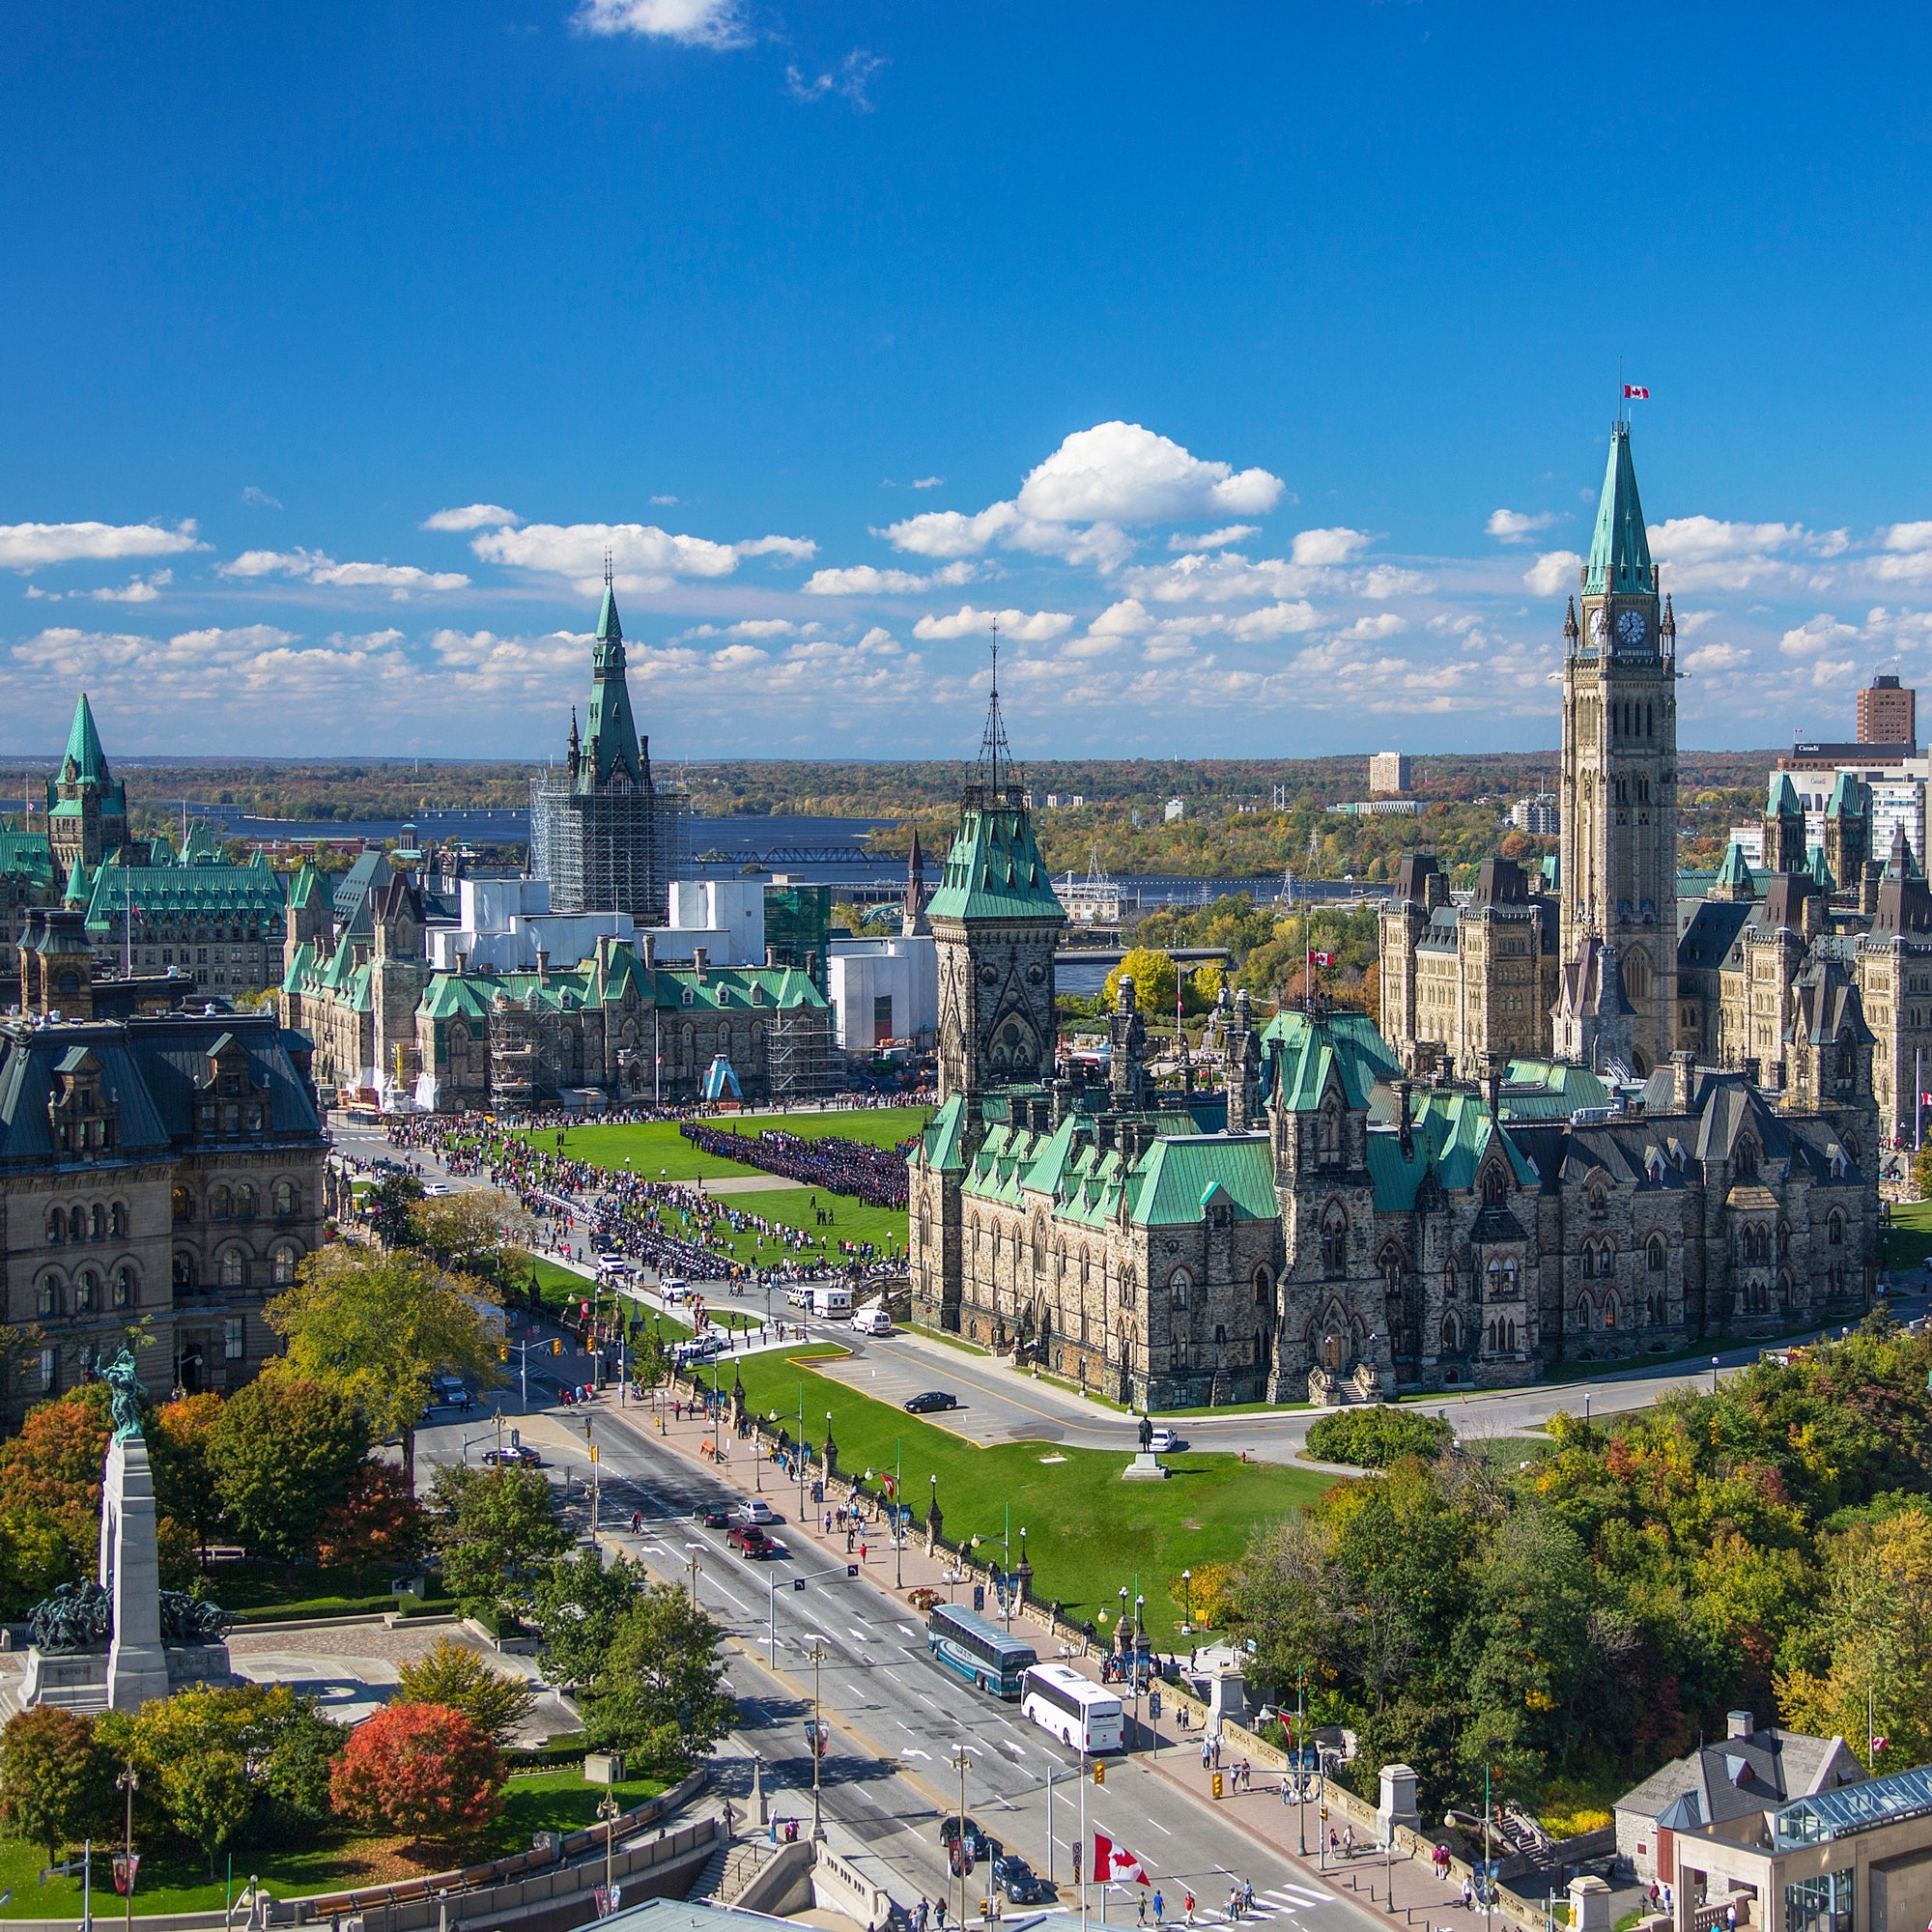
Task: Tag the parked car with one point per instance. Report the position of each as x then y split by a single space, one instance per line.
749 1539
931 1400
1164 1441
704 1348
872 1321
714 1515
1018 1881
514 1454
755 1509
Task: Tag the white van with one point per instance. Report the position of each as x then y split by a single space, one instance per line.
830 1300
874 1320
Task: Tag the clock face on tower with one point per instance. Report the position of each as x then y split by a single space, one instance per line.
1599 626
1630 627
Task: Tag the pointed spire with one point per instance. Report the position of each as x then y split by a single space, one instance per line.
77 891
996 757
83 744
1569 631
609 631
1668 628
1620 549
1736 872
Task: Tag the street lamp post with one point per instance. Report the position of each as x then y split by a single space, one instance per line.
130 1780
898 1513
1301 1759
817 1656
691 1566
1187 1603
608 1810
958 1761
1713 1375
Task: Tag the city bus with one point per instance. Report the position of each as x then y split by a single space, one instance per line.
1075 1709
978 1651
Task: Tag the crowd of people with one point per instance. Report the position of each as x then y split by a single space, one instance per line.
875 1174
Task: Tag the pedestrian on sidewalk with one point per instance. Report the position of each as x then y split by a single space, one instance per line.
1187 1905
1468 1896
1206 1753
1349 1842
1140 1907
1159 1907
862 1558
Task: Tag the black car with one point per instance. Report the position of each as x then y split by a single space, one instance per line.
976 1839
515 1455
931 1400
715 1515
1018 1881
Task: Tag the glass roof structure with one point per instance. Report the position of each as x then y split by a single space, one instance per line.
1853 1808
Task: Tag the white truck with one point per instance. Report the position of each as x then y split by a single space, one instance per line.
830 1298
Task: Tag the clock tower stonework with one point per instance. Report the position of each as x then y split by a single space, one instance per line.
1618 866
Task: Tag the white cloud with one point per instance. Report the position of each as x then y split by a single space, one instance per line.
1385 581
646 558
749 627
848 80
1907 536
1366 630
1220 539
1127 618
1685 540
1121 473
967 622
1708 658
31 546
864 579
1222 579
1336 546
1822 632
471 517
1276 620
1553 572
260 499
313 567
664 501
695 23
928 482
1518 526
140 590
951 532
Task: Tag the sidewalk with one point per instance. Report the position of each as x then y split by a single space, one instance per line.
1420 1899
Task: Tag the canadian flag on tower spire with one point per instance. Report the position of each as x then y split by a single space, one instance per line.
1633 394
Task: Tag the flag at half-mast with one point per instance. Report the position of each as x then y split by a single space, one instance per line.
1634 393
1115 1863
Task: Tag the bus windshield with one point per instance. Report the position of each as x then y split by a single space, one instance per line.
978 1651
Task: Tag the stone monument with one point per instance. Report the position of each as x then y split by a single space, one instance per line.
1145 1468
131 1563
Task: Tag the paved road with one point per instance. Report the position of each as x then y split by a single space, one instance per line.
1000 1405
896 1719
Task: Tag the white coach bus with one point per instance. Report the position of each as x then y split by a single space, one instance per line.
1075 1711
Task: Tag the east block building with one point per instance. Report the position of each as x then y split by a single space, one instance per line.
1531 1161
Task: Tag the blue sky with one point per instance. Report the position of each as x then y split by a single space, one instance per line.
1254 361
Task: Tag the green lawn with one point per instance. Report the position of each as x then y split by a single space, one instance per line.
1911 1237
1089 1532
852 1221
172 1880
659 1151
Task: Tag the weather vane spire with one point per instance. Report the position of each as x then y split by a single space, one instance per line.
607 566
996 758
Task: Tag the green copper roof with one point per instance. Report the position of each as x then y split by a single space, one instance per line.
1620 549
1735 870
944 1139
1821 872
213 891
27 855
1180 1179
306 886
610 744
77 885
1450 1133
83 744
1781 802
995 871
1851 798
1304 1050
1548 1089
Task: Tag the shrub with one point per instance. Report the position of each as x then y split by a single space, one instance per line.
422 1770
51 1780
454 1676
1372 1439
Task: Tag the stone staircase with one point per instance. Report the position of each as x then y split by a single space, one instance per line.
729 1870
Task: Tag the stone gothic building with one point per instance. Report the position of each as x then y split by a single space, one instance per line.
1442 1201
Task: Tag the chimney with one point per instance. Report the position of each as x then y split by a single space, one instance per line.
1684 1069
1870 875
649 943
771 958
543 961
1739 1725
1813 915
700 959
1753 1068
1404 1091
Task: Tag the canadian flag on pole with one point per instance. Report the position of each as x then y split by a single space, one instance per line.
1631 393
1115 1863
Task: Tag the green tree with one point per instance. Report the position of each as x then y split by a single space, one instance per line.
51 1778
578 1609
35 1557
208 1797
55 1466
377 1327
184 1486
495 1527
475 1231
661 1696
391 1203
282 1453
1153 976
453 1675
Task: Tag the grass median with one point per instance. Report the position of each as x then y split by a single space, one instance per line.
1089 1533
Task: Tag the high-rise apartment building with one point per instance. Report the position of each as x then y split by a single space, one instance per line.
1888 713
1388 772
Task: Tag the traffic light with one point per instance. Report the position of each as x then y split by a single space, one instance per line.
556 1347
1217 1785
503 1351
1099 1774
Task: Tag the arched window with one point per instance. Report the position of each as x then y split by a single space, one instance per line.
1495 1187
1656 1254
1784 1240
1127 1288
286 1199
1745 1160
1264 1287
1586 1313
1039 1245
76 1224
1609 1311
1178 1285
116 1221
1637 974
1448 1281
1328 1134
284 1260
56 1227
244 1203
96 1223
86 1292
126 1290
183 1204
233 1268
183 1273
217 1205
47 1298
1334 1239
1449 1331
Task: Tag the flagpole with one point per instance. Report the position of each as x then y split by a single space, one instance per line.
1080 1862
